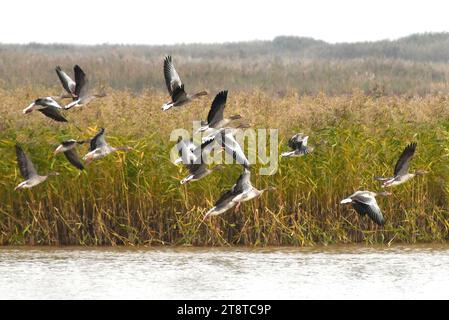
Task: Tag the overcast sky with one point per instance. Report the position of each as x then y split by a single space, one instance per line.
183 21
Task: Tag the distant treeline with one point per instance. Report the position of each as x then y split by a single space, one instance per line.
417 64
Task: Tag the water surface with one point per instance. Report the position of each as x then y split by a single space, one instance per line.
407 272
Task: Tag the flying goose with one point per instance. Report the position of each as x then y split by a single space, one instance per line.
67 82
242 191
195 160
28 171
401 173
99 148
298 144
68 148
364 202
247 190
175 87
82 95
48 106
215 119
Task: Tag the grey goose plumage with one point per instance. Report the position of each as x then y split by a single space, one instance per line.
48 106
401 172
364 202
28 171
67 83
68 148
298 144
240 192
215 117
99 148
194 159
82 94
175 87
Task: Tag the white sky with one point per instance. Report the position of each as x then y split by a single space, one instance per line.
183 21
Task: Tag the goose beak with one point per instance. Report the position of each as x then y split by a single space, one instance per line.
28 109
58 150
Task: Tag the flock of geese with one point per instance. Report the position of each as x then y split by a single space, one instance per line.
216 131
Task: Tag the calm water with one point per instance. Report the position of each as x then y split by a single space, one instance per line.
186 273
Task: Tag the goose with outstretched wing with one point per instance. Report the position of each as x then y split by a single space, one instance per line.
175 87
28 171
401 172
215 117
82 94
364 202
194 159
48 106
68 148
99 148
298 144
240 192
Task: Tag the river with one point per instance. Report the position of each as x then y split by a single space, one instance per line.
336 272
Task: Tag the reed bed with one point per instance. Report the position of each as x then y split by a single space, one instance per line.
135 198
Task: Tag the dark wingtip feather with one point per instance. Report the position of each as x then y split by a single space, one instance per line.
78 69
18 148
412 146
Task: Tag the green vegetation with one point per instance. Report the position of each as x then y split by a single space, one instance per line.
135 198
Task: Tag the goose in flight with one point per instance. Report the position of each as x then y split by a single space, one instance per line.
68 148
298 144
99 148
28 171
401 174
82 95
195 159
240 192
175 87
48 106
198 169
364 202
67 82
215 118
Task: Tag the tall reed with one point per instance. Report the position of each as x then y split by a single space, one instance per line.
135 198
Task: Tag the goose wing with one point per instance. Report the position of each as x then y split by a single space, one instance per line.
203 150
53 113
364 203
172 79
73 158
373 211
225 198
232 147
243 183
195 168
98 140
402 165
47 102
217 109
26 167
67 82
297 141
179 93
81 82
